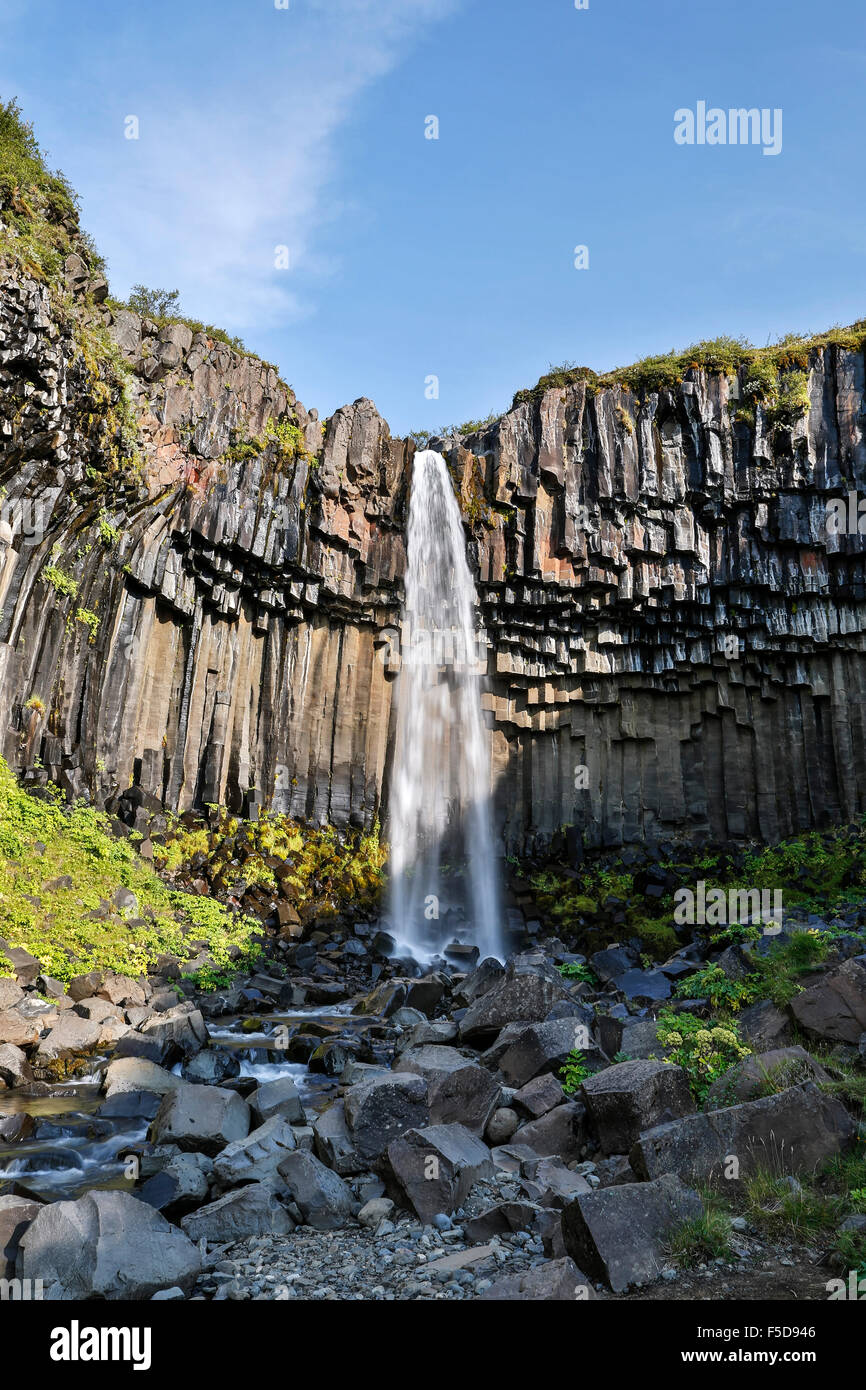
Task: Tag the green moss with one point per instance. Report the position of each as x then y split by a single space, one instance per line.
56 925
327 872
60 581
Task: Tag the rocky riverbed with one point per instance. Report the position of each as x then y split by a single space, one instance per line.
342 1125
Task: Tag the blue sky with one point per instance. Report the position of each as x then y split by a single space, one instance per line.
410 257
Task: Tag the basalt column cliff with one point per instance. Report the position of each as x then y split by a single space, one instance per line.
199 583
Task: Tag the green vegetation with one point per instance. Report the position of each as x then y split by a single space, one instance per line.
55 902
90 620
422 437
704 1048
326 872
778 975
576 971
818 870
776 374
39 208
702 1238
574 1072
60 581
162 307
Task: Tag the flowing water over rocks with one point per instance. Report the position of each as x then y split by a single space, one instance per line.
259 1143
440 783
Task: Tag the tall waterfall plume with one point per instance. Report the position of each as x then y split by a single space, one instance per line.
440 784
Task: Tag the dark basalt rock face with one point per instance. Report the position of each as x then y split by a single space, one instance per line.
246 596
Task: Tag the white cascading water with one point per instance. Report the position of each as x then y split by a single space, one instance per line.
440 783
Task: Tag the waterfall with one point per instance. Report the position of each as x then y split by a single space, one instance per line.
440 783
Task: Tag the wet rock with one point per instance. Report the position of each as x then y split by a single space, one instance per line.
556 1281
792 1132
63 1049
210 1066
437 1165
630 1097
254 1210
106 1245
203 1118
619 1234
324 1200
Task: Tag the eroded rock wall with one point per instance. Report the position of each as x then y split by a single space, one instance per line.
675 643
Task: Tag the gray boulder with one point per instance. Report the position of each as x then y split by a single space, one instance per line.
788 1133
437 1165
619 1234
14 1067
278 1097
545 1047
379 1110
323 1199
459 1091
204 1118
254 1210
528 990
630 1097
834 1008
178 1032
137 1074
560 1133
332 1141
106 1245
16 1213
257 1157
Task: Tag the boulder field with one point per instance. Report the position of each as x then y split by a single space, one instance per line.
420 1139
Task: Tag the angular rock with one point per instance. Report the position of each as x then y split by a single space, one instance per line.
760 1073
279 1097
459 1091
538 1096
834 1008
527 991
437 1165
561 1133
619 1234
14 1067
545 1047
257 1157
378 1110
16 1213
138 1074
789 1133
323 1199
106 1245
332 1141
202 1118
254 1210
630 1097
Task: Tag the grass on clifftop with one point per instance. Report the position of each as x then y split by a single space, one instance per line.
47 896
768 380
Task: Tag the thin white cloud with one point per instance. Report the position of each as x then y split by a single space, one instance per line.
228 166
